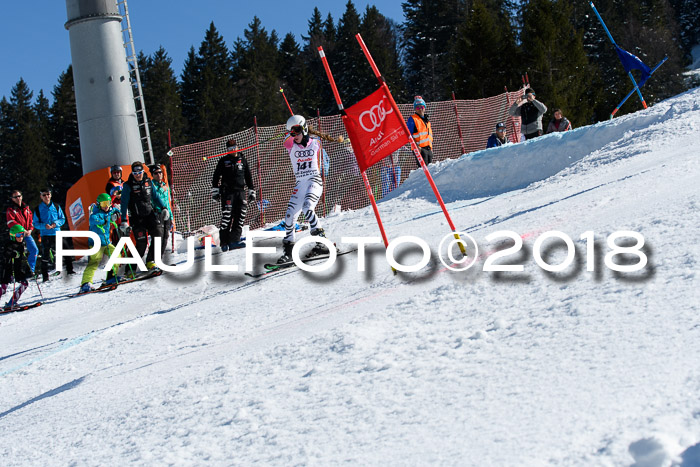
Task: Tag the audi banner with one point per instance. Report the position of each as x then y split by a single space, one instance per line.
374 128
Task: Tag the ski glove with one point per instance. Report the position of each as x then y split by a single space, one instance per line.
215 195
124 228
251 195
166 215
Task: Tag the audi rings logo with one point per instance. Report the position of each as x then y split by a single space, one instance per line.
304 153
375 116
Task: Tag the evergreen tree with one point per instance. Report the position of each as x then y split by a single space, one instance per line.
429 30
320 95
687 16
25 155
163 105
555 57
299 85
64 144
256 73
208 105
381 35
353 80
485 51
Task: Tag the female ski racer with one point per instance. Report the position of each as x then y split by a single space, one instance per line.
304 154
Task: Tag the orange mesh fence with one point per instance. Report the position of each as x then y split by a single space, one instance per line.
343 186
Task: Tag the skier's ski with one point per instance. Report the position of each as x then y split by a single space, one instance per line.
103 288
12 309
142 276
270 268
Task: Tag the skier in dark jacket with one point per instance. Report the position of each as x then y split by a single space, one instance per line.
231 176
499 138
139 205
15 265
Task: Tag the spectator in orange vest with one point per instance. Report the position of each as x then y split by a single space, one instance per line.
421 131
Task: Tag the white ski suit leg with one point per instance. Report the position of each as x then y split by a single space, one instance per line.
304 198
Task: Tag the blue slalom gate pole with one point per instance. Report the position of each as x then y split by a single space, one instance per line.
632 91
629 73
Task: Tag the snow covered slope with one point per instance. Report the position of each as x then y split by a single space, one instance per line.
428 368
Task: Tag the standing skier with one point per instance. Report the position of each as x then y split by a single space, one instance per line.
304 154
139 204
165 214
231 176
102 214
15 265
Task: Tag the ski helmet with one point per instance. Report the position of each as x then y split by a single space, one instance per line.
115 168
15 230
297 121
104 197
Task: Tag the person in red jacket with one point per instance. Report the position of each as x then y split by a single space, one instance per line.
19 213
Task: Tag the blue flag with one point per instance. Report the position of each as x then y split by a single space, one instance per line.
632 62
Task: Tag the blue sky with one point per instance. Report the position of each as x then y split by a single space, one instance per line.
36 45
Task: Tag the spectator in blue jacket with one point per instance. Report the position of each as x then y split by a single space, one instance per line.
499 138
49 218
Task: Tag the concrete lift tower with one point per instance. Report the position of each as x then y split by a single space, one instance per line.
107 116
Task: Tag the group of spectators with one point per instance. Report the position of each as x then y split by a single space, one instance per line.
530 111
140 205
527 107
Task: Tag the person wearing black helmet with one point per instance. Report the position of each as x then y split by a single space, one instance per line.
499 138
231 176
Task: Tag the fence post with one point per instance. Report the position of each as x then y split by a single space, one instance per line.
459 126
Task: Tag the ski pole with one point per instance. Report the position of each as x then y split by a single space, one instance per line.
245 149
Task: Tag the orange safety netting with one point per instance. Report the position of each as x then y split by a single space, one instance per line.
269 161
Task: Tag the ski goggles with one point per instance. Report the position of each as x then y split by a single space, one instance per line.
296 130
105 204
137 172
18 235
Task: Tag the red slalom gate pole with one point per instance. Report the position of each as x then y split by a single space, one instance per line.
172 194
414 147
260 185
364 174
459 127
286 102
516 135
